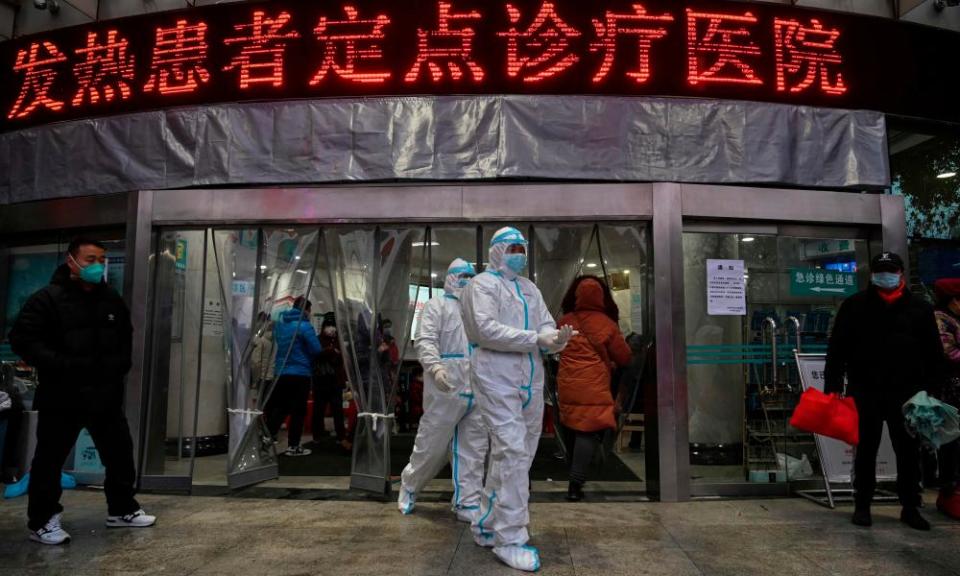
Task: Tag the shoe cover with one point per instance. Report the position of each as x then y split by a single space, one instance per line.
466 515
484 539
526 558
67 482
18 488
406 501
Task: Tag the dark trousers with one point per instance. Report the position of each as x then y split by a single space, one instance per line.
872 416
289 398
58 426
581 451
949 457
326 392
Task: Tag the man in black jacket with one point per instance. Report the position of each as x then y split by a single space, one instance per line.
76 332
885 341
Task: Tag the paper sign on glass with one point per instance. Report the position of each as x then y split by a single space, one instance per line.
726 288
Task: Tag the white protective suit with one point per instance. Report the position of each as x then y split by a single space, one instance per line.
451 423
507 323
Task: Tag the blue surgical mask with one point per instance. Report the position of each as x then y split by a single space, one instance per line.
91 273
462 283
885 280
515 262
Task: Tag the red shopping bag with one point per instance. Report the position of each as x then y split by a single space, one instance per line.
827 415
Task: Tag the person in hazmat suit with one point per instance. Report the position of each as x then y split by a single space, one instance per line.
451 423
509 328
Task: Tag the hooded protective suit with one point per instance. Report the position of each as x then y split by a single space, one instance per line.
451 424
507 323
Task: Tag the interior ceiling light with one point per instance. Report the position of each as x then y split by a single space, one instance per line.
944 175
591 264
418 244
747 239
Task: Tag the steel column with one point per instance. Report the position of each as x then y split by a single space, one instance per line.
672 435
136 291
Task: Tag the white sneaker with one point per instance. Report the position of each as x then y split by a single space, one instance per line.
297 451
52 533
526 558
138 519
406 501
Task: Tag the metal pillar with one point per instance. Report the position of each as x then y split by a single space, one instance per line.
670 427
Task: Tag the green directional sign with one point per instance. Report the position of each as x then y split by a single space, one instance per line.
817 282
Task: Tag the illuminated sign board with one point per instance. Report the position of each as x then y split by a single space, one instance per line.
278 50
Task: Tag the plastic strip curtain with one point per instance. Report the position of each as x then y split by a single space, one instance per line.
371 273
560 253
278 272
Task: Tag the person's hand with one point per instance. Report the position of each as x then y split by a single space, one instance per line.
442 379
564 335
547 339
554 341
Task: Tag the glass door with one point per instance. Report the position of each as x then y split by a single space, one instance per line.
751 300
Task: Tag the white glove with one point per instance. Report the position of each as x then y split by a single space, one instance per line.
554 341
564 335
547 339
442 380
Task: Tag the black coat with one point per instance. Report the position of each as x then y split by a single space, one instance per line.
79 341
889 352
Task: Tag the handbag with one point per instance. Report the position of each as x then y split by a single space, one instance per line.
828 415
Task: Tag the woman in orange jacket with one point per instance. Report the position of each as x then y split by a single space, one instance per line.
586 366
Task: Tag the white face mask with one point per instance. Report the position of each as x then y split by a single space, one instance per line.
330 331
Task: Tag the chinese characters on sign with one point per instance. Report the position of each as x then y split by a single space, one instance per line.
179 59
818 282
414 46
726 288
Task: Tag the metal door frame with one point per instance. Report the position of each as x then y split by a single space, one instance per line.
668 206
880 217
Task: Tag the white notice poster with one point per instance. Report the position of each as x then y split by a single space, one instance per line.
726 288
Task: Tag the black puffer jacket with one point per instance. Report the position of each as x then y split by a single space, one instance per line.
79 341
889 352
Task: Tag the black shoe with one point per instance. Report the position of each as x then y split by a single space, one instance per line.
912 518
575 491
862 517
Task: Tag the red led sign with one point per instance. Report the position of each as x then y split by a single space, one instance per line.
709 48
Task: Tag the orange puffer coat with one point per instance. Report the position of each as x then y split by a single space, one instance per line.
586 402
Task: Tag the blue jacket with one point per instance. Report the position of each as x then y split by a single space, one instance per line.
306 348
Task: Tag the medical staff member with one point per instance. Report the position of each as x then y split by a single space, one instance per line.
509 328
451 422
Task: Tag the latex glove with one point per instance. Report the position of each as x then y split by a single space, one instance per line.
554 341
547 339
564 335
442 380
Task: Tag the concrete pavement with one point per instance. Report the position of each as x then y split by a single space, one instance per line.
239 536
